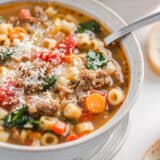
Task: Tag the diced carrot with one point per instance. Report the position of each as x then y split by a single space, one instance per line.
74 137
17 33
95 103
24 14
58 128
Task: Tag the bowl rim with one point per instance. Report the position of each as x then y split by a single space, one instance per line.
105 127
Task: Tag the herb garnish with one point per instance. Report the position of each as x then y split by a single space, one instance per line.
91 25
49 81
95 60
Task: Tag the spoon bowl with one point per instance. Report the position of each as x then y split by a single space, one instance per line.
132 27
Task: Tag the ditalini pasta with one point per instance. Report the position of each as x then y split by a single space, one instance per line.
58 81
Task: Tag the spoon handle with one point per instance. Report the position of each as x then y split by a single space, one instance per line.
132 27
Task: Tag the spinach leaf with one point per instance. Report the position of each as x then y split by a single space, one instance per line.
6 54
91 25
20 118
95 60
49 81
17 118
34 123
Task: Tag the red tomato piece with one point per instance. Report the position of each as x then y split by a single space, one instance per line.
24 14
67 45
7 93
57 56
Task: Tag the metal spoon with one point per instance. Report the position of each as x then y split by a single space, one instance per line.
132 27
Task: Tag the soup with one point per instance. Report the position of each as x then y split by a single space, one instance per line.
58 81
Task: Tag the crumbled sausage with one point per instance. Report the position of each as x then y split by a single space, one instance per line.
31 75
92 80
41 106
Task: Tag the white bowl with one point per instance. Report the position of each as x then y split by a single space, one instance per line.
86 147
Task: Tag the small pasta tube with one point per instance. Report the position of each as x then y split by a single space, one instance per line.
63 25
71 18
4 40
5 28
68 26
51 12
115 96
57 26
84 40
110 68
23 136
49 139
3 113
7 42
84 127
72 111
4 136
72 73
97 44
48 43
62 81
47 122
36 37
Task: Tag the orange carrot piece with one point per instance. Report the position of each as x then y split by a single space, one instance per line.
58 128
95 103
17 33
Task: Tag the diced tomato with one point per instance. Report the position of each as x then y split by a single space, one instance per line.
59 54
74 137
58 128
24 14
67 45
7 93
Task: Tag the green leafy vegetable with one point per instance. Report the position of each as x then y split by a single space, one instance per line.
34 123
91 25
95 60
20 118
6 54
49 81
16 118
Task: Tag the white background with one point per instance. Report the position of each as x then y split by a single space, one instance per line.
145 116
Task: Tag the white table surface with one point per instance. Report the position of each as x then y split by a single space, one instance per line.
145 116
